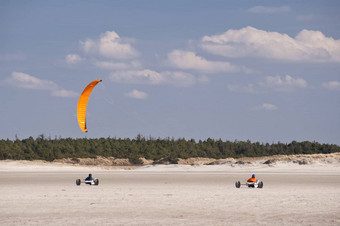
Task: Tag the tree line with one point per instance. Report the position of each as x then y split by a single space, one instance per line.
42 148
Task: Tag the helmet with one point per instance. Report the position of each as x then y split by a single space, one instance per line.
90 175
253 176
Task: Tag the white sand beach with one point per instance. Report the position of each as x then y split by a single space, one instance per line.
40 193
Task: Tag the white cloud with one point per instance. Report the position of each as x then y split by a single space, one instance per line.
187 60
332 85
137 94
26 81
111 65
152 77
286 83
307 46
109 45
178 78
264 9
108 65
137 77
73 58
278 83
64 93
269 107
108 52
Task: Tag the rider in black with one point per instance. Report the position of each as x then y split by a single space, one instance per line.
89 177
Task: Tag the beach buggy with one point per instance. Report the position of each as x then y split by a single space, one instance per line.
88 180
251 183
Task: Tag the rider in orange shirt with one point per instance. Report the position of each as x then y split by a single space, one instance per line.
252 179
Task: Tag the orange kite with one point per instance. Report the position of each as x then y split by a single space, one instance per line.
82 104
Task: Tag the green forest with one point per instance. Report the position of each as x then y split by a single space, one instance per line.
45 148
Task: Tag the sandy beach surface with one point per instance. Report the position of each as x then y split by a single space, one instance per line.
38 193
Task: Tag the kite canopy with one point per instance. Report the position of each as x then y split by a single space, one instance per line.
82 104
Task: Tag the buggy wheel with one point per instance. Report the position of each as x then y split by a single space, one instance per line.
260 184
237 184
96 182
78 182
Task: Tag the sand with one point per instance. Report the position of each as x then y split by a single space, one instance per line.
39 193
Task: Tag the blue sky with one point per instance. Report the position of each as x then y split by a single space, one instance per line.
266 71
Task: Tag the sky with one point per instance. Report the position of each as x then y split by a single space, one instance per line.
264 71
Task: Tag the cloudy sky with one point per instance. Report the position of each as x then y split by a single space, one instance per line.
266 71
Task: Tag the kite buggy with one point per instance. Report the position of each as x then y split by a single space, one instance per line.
89 180
251 183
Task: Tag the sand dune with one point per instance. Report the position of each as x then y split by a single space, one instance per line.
41 193
315 162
